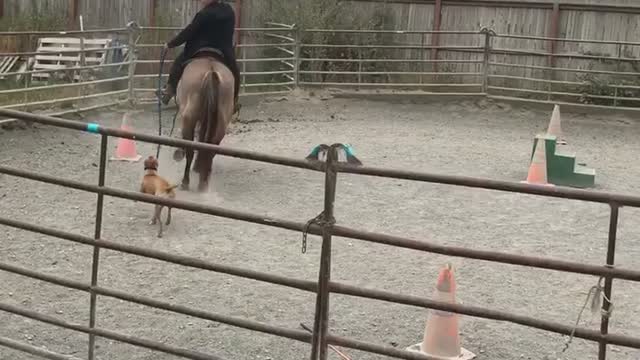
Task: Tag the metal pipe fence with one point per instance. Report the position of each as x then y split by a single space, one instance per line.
320 338
501 66
282 58
126 80
266 61
277 58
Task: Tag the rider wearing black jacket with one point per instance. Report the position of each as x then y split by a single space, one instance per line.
212 27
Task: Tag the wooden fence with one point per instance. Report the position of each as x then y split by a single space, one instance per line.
612 20
593 19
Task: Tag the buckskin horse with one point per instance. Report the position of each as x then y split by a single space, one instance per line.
205 104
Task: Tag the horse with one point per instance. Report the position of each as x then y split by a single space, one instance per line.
205 98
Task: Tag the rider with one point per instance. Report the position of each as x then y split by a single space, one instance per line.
212 27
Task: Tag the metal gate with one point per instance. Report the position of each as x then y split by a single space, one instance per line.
321 338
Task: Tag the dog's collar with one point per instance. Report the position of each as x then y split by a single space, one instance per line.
151 168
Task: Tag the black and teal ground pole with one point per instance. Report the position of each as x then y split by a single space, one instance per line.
319 152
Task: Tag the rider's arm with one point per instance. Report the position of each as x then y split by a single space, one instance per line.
189 32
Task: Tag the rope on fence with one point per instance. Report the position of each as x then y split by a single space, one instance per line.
595 295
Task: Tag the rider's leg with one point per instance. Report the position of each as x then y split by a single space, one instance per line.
175 73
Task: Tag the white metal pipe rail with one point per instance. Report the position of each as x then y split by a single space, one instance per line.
500 79
283 79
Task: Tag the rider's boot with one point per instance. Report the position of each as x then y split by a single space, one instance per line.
166 94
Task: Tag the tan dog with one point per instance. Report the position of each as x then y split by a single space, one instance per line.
154 184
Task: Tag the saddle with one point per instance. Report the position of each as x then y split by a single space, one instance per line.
207 52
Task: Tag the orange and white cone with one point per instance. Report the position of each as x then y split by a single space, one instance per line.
555 128
538 169
126 149
441 335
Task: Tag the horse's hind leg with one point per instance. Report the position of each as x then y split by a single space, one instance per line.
187 134
204 161
204 164
186 179
187 123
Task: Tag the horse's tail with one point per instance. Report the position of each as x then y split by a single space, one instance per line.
209 98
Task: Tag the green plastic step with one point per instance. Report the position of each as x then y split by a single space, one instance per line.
583 170
565 153
583 177
561 161
562 167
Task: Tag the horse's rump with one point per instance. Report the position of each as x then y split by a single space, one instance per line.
205 98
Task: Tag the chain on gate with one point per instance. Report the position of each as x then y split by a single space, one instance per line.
318 220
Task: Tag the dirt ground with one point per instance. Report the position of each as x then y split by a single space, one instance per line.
464 137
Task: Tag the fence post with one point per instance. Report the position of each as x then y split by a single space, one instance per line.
319 345
487 55
96 250
133 59
26 86
608 281
83 58
153 11
435 35
554 33
360 60
297 35
74 12
423 57
618 69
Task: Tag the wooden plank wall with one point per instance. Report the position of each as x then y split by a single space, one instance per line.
106 13
522 20
17 8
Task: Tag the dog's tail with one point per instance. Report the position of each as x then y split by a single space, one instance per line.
172 187
169 191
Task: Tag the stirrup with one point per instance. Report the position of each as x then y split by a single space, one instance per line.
164 95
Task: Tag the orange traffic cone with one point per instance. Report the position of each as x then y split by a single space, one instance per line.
126 150
441 336
538 168
555 128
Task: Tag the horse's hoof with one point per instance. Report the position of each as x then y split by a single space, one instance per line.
184 186
178 155
203 188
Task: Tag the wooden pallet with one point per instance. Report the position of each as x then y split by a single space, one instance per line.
7 63
50 55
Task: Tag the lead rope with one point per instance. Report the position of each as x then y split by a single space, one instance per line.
163 55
